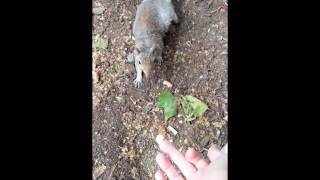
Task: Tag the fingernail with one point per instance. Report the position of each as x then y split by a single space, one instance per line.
159 139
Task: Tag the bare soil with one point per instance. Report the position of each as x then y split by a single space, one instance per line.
125 119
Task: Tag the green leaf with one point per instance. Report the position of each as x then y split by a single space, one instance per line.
115 71
168 102
101 43
193 107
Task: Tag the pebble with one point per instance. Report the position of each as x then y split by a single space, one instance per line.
98 10
185 141
205 141
174 132
225 118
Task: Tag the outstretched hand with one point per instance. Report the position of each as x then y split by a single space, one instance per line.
192 166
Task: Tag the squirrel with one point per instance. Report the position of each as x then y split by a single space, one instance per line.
152 21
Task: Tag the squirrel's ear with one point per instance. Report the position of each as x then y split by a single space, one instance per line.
138 50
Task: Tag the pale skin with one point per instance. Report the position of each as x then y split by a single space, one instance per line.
192 165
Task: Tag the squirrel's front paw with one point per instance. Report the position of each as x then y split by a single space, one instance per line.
159 60
137 82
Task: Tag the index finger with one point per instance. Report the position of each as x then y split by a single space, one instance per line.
167 148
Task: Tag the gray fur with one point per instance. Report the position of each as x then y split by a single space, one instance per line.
152 21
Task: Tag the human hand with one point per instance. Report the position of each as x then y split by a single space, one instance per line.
192 166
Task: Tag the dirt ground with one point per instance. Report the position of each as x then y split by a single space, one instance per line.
125 119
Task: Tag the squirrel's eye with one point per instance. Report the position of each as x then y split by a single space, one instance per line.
139 62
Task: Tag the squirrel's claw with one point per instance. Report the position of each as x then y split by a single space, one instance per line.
159 60
137 83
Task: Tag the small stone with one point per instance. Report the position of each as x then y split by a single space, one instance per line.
97 62
225 118
174 132
98 10
205 141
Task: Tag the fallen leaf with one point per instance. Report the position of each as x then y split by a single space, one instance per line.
193 107
101 43
168 102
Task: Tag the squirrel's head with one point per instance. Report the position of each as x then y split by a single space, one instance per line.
145 59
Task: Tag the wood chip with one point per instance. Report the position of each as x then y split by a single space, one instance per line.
174 132
167 83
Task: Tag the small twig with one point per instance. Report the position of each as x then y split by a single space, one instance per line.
216 10
112 169
134 102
